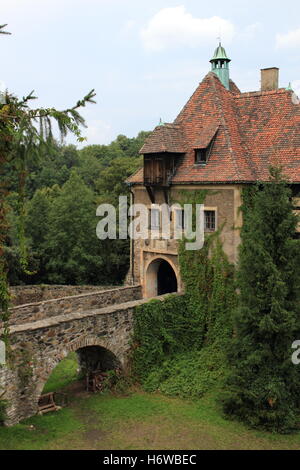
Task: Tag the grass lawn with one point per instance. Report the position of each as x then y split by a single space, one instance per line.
136 421
63 374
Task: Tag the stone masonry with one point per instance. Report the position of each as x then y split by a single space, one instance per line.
37 293
38 345
91 300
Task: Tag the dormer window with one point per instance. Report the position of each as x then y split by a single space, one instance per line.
204 143
201 156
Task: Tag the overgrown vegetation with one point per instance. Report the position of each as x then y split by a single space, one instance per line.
135 421
211 336
25 136
263 389
63 374
67 372
63 190
179 344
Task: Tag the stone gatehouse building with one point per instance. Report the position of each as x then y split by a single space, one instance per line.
221 140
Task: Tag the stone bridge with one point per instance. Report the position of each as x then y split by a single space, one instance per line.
97 325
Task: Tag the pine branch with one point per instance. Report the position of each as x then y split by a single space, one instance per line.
3 32
87 99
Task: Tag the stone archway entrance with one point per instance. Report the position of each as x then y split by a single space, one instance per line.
92 358
160 278
166 279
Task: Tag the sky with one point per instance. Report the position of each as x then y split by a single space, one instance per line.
144 59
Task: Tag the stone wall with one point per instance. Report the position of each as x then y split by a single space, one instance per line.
37 293
77 303
224 199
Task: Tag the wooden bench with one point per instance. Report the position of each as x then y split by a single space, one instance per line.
47 403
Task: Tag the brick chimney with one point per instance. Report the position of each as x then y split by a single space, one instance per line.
269 79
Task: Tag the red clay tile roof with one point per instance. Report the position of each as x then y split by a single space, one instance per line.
205 136
255 130
137 177
165 138
233 88
271 130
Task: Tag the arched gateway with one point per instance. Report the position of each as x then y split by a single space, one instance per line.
91 356
160 278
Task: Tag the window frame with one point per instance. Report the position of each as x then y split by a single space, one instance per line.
205 153
182 220
155 208
214 210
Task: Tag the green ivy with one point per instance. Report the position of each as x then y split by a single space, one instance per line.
4 305
179 344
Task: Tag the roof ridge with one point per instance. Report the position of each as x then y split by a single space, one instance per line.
171 124
166 138
248 94
223 121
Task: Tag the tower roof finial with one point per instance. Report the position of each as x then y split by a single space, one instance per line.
220 64
220 53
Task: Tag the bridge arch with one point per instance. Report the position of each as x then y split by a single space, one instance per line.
92 353
43 334
161 277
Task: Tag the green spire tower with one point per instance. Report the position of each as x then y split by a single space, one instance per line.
220 65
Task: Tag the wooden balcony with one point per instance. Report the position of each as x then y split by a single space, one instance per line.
159 168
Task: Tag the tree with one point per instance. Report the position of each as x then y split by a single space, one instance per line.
71 243
71 252
111 183
263 389
53 168
25 134
37 222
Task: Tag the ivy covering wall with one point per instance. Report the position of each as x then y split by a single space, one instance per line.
239 344
179 345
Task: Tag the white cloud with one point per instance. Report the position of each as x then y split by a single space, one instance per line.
290 39
175 26
97 132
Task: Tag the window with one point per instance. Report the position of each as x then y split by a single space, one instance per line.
209 221
201 156
154 219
